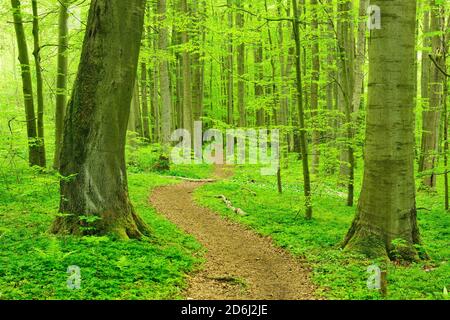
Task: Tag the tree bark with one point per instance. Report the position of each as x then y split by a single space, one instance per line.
230 67
301 116
39 86
188 123
166 98
387 207
315 78
61 80
34 156
241 68
144 98
93 151
346 86
432 115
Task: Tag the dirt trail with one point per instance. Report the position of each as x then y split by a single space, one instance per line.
239 263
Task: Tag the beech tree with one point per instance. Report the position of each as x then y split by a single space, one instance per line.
93 151
387 207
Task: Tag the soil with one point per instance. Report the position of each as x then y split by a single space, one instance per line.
240 264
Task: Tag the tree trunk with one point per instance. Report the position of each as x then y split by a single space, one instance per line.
166 98
34 156
346 86
301 116
93 151
259 88
315 78
39 86
431 115
230 68
61 80
241 68
387 208
144 97
186 66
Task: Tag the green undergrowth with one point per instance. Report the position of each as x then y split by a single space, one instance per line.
337 274
34 263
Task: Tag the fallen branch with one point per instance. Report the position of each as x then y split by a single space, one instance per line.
229 205
191 180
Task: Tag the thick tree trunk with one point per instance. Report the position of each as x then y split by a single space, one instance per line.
34 156
387 208
61 80
301 116
93 152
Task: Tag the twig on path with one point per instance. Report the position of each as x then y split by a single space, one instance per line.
229 205
191 180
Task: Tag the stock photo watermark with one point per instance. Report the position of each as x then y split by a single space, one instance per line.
231 147
74 279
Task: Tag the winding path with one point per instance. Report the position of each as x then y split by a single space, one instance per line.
239 263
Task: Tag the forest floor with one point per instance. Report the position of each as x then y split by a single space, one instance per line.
240 264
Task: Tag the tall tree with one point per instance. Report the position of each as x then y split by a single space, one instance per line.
186 66
346 84
230 66
432 114
61 80
166 98
387 206
241 65
301 113
144 98
93 151
315 78
39 85
27 86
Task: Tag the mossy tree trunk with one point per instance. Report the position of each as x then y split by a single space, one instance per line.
34 156
387 206
93 150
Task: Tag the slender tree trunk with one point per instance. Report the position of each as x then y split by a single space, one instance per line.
39 86
93 152
61 80
186 66
360 57
136 119
432 115
346 86
230 67
259 87
27 86
144 97
301 117
387 207
315 78
166 98
241 68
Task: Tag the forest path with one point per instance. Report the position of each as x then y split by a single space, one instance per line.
239 263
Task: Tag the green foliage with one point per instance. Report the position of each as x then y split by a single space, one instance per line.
33 263
338 274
